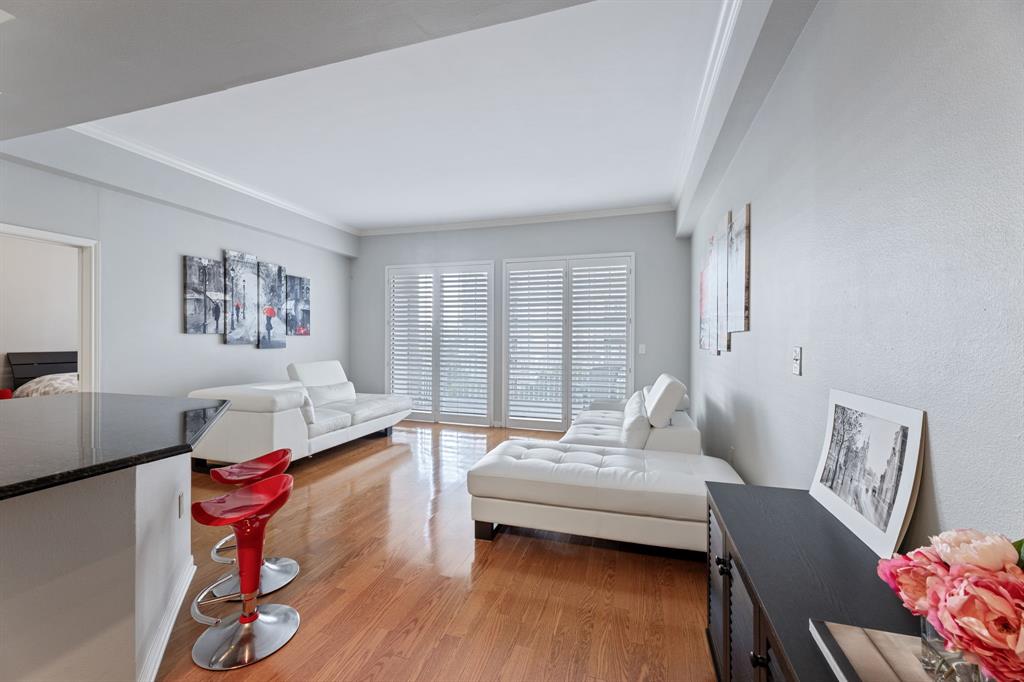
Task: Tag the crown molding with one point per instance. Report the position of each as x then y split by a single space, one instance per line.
97 132
522 220
712 71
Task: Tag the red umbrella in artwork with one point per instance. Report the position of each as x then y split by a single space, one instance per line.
269 311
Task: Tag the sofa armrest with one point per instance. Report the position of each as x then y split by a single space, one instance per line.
252 399
681 435
615 405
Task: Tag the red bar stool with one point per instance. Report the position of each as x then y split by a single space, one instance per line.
259 630
276 571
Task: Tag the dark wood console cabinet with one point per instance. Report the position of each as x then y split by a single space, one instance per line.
777 559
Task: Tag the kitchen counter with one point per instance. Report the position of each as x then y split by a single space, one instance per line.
54 440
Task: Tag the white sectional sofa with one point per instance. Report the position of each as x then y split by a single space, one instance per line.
630 471
318 409
652 419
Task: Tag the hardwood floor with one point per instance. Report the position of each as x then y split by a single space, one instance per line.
394 587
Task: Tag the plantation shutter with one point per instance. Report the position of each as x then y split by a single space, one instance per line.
535 333
568 335
410 338
464 345
439 331
600 324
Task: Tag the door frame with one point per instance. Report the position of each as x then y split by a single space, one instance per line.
88 295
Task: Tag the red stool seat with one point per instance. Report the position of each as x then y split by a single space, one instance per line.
257 501
244 473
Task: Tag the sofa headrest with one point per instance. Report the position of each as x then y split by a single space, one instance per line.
663 399
323 373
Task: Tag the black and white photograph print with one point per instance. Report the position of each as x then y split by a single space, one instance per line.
868 472
242 289
865 462
204 295
271 327
297 305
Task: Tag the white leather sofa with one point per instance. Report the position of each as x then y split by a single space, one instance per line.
318 409
628 494
630 471
652 419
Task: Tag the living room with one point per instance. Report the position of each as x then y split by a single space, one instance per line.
548 334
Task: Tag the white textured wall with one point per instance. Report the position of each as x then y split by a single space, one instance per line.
885 170
662 280
38 299
142 241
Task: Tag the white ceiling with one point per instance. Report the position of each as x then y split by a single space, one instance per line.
69 61
581 109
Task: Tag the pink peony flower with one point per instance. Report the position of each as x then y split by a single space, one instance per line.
908 577
969 546
981 613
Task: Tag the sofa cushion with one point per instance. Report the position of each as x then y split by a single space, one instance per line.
323 373
604 417
663 399
328 420
594 434
321 395
308 410
367 406
627 481
635 423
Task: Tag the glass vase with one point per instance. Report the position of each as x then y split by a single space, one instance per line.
944 664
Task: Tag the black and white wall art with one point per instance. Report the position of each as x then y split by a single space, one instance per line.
297 305
204 296
869 468
242 289
272 284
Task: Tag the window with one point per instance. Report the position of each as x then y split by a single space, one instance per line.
438 335
568 337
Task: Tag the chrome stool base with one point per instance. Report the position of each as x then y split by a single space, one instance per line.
232 644
275 573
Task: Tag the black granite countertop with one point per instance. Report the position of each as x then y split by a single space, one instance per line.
53 440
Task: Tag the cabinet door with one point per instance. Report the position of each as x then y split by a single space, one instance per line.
718 600
741 630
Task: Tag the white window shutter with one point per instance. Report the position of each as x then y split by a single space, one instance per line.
464 345
535 333
410 337
600 323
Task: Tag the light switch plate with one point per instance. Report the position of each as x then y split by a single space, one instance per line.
643 349
798 360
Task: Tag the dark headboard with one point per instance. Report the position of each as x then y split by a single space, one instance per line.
27 366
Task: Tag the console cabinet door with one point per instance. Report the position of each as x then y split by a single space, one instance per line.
741 632
718 600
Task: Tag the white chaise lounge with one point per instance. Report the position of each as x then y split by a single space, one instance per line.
318 409
588 484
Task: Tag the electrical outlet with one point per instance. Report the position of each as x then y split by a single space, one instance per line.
643 349
798 360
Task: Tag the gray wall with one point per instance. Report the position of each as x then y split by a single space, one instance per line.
142 240
885 173
662 280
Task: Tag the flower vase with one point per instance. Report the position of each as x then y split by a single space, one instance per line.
944 664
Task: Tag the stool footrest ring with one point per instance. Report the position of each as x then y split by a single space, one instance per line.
221 546
203 599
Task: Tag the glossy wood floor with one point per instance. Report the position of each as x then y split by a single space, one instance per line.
394 587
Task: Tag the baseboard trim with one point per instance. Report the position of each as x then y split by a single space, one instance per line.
163 634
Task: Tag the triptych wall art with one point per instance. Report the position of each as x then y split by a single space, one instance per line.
249 301
725 285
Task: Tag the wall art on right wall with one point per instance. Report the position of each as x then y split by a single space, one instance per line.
870 468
